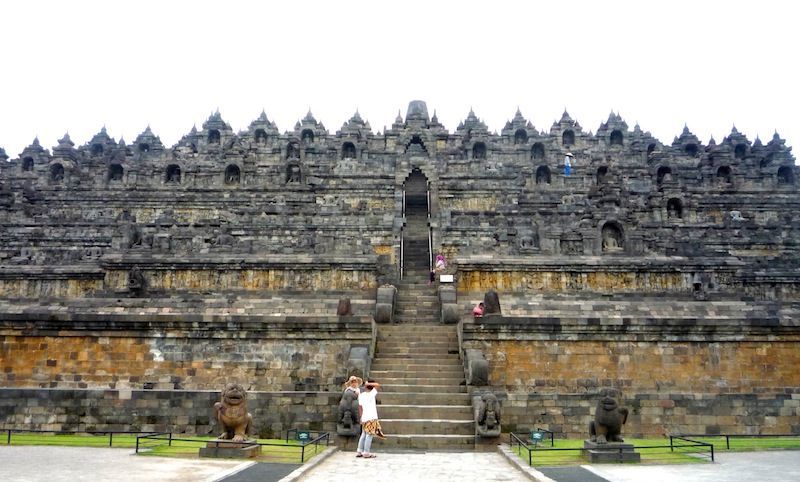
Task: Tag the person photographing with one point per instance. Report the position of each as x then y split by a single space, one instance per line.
368 414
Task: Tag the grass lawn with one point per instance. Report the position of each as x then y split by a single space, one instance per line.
744 444
188 447
682 454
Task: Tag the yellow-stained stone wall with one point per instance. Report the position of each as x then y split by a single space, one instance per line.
484 203
38 287
171 363
693 367
248 279
560 281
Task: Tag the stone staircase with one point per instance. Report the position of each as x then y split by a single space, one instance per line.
423 397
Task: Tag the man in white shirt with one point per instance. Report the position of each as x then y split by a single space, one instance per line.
368 414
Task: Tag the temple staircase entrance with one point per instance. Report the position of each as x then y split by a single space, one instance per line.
424 402
423 395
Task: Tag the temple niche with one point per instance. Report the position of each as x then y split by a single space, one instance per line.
115 172
674 208
528 238
543 175
293 173
56 173
785 176
232 174
172 174
611 236
292 151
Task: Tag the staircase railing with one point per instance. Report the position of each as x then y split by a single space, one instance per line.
402 243
430 228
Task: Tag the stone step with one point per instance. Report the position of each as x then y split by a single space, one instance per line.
407 386
418 314
418 352
440 376
427 426
422 359
425 442
416 308
395 336
382 366
394 331
417 345
401 398
429 354
453 381
449 412
451 368
426 301
413 360
414 319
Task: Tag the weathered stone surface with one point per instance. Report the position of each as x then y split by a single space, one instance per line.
476 367
682 256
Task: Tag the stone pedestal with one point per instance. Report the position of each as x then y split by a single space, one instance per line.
228 450
611 452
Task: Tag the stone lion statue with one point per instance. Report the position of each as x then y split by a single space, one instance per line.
347 416
488 416
231 413
609 418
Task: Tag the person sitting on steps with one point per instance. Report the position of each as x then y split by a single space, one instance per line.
438 267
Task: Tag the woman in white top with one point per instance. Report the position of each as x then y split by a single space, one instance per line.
368 414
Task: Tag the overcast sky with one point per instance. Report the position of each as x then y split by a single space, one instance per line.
77 66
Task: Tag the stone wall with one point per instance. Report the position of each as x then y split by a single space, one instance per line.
655 414
707 367
643 366
179 411
187 352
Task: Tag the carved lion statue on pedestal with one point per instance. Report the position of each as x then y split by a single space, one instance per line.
609 418
231 413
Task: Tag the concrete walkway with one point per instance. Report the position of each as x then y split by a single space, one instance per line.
775 466
428 466
67 464
62 464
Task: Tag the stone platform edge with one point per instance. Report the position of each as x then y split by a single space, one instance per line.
529 472
301 471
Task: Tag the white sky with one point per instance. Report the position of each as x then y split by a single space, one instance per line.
78 65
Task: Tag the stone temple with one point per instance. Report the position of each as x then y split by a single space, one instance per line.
136 279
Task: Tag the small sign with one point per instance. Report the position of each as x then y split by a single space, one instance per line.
303 436
445 278
536 437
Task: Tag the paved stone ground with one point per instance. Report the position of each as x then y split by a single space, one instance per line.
776 466
67 464
427 466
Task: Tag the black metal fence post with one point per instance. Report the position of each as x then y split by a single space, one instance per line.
671 447
170 439
712 452
302 453
137 444
110 439
8 440
728 442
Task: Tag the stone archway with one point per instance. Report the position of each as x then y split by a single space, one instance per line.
416 232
